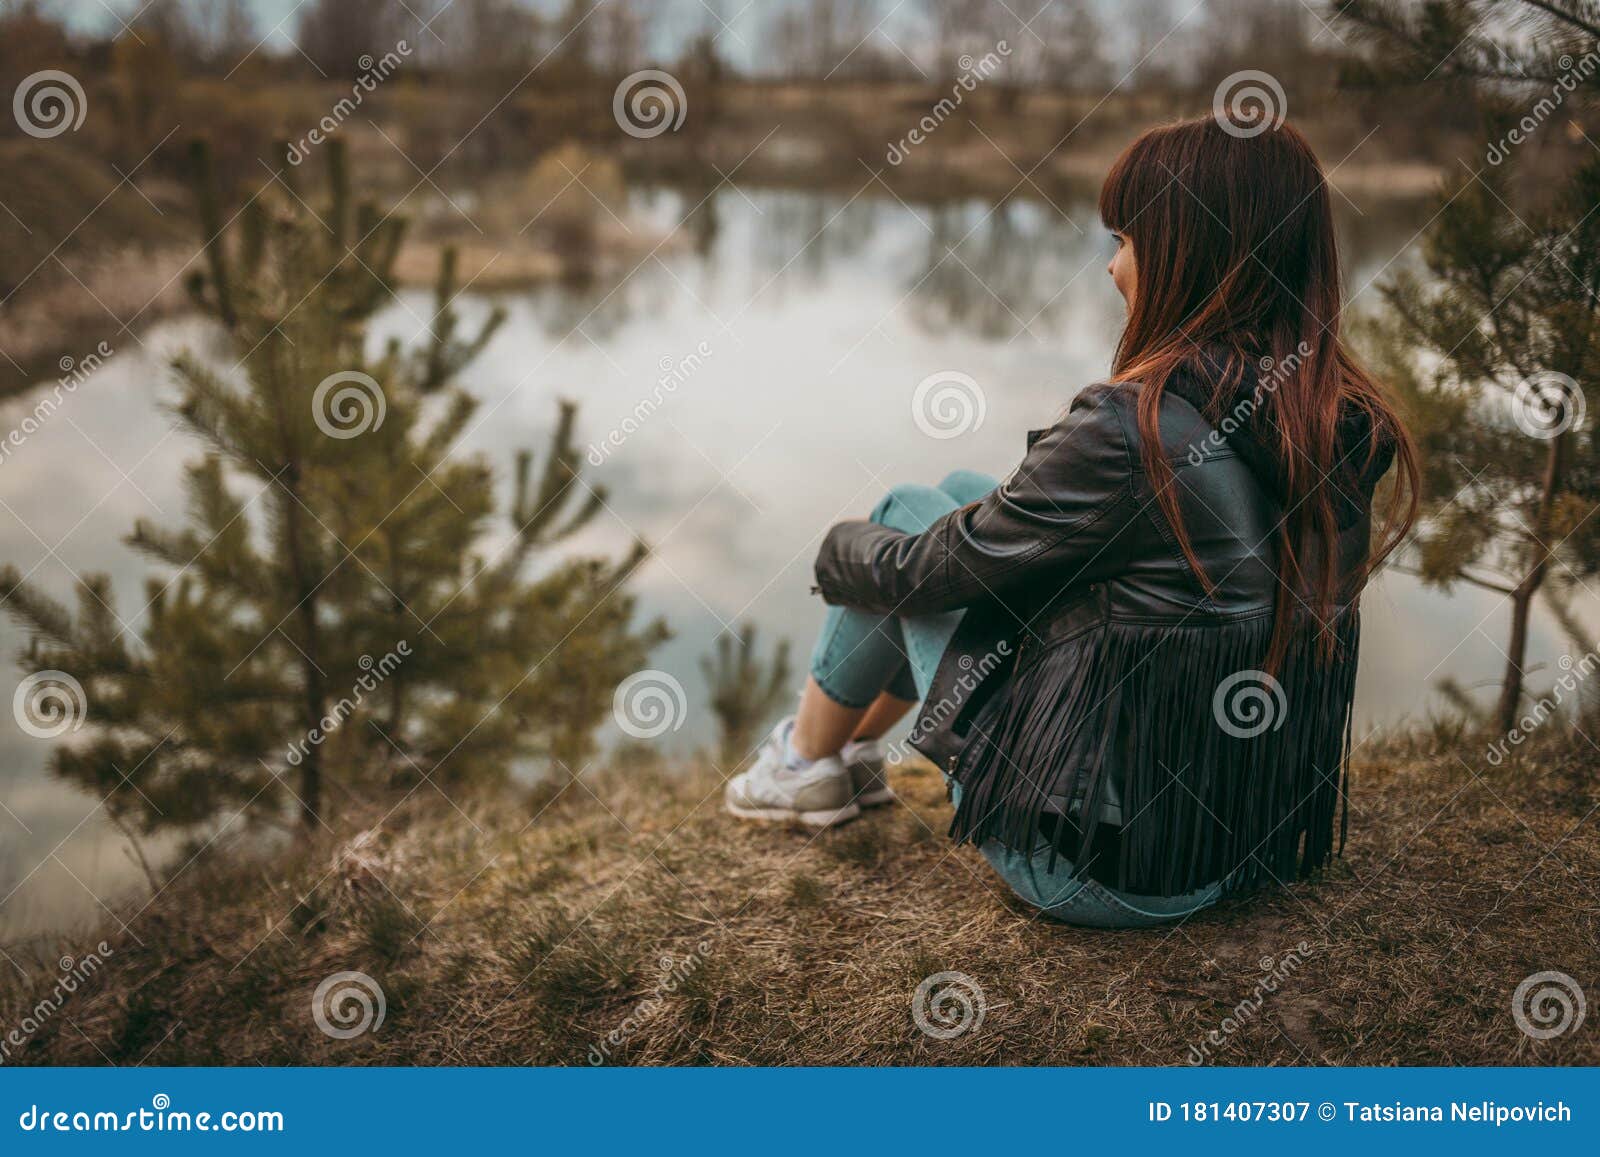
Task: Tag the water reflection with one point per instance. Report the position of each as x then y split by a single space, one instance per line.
820 311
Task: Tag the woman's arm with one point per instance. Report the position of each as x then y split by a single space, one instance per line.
1062 509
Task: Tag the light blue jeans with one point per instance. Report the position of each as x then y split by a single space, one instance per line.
860 655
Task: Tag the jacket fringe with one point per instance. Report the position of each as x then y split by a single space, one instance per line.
1224 772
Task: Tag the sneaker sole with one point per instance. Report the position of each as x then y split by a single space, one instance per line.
833 817
875 798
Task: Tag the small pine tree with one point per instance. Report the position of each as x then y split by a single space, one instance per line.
1509 319
330 602
1510 316
745 690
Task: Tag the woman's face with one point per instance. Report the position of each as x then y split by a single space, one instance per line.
1121 268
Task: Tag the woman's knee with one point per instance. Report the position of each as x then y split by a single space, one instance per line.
966 486
912 507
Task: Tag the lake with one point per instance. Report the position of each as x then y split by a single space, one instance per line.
796 328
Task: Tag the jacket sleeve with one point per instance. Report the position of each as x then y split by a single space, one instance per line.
1055 519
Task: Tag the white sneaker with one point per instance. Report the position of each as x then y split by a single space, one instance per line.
868 784
818 794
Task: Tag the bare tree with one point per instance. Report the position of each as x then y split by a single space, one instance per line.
1074 53
225 31
575 33
622 37
488 40
168 22
1152 23
336 34
785 37
836 34
961 26
1281 40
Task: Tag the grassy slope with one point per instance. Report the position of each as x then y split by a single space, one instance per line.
532 939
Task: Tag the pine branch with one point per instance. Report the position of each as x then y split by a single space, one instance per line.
174 548
210 407
38 613
1581 16
445 356
1423 44
1472 579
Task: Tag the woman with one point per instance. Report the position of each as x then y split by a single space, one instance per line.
1136 656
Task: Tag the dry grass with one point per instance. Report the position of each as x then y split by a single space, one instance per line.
628 921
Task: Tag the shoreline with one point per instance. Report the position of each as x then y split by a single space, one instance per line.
63 316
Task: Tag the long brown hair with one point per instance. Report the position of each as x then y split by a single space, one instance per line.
1234 251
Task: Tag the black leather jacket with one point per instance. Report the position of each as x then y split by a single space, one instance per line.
1094 687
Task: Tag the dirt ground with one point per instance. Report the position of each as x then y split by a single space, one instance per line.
626 920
